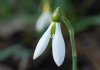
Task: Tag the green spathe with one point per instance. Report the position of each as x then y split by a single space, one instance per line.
57 15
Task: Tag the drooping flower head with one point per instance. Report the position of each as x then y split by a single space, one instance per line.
58 45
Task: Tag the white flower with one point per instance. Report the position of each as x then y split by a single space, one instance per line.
58 45
43 21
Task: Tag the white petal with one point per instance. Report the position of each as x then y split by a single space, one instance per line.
42 44
43 21
58 46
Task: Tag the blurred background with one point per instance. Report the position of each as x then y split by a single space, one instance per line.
19 37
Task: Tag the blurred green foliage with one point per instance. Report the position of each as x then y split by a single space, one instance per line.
5 8
74 10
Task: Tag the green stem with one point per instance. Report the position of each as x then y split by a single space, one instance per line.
72 40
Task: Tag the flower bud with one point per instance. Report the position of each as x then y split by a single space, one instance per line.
46 6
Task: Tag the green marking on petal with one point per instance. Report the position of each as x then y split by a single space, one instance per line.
53 29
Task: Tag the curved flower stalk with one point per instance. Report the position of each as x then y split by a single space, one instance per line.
58 45
45 18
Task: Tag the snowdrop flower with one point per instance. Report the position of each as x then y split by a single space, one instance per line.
44 19
58 45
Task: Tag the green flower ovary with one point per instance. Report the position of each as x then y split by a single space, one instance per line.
56 15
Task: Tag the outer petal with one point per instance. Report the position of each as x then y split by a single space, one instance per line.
43 21
42 44
58 46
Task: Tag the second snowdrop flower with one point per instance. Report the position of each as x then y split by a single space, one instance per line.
45 18
58 45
